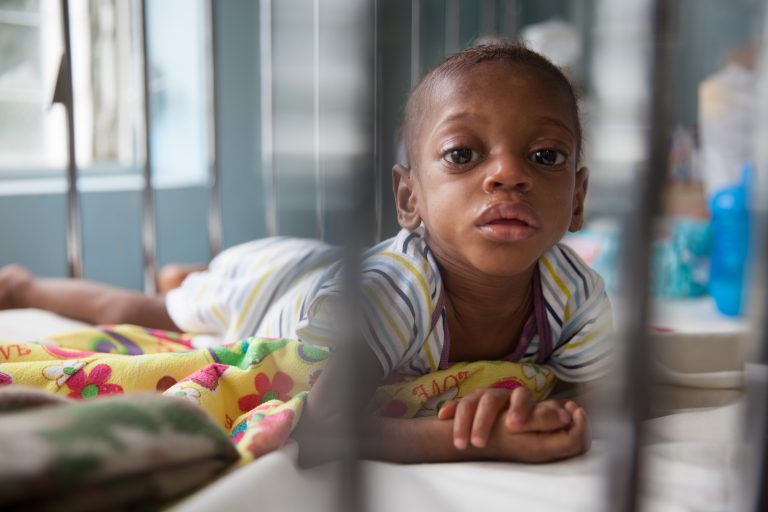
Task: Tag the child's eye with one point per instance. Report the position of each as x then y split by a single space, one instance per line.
548 157
460 156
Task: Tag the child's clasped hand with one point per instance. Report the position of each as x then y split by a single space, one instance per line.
487 418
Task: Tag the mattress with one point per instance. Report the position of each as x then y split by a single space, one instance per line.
691 463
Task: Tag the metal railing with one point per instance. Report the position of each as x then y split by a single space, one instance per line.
64 94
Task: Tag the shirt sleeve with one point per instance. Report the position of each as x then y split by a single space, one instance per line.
200 304
584 350
396 307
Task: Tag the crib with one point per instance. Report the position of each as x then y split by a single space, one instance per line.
696 458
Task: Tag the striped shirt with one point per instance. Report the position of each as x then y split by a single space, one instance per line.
294 288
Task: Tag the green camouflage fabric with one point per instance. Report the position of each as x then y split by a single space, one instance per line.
131 452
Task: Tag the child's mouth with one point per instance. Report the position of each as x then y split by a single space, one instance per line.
507 222
507 230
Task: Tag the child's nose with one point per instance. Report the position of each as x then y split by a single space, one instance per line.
507 172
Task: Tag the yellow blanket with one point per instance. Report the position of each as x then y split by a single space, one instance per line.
254 388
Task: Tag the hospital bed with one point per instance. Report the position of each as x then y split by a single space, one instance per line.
690 456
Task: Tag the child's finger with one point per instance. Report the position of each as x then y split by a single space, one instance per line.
488 409
447 410
545 417
565 443
521 403
570 406
549 416
579 433
463 418
581 427
577 439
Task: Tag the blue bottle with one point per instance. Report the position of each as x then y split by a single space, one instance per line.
730 245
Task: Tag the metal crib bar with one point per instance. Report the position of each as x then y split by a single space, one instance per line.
148 230
269 177
214 172
415 42
634 404
509 24
753 492
319 174
452 41
355 163
487 18
378 98
753 495
63 94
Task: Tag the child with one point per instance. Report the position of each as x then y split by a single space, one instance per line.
493 182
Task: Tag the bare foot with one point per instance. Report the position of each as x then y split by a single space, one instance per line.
14 279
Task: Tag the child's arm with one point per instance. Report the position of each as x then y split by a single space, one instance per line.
546 437
431 440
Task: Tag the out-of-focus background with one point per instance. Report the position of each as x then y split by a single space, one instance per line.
713 42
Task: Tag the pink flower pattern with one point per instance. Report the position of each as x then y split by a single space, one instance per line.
508 383
209 376
94 384
278 388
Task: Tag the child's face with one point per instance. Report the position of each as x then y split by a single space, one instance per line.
494 177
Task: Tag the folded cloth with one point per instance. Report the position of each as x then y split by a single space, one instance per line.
254 388
127 452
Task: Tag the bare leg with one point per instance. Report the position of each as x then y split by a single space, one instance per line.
88 301
171 276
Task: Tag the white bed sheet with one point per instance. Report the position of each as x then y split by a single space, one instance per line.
275 483
692 464
31 324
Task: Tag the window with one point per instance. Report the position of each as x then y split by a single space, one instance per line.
31 136
107 86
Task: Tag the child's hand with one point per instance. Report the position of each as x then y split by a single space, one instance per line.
542 446
476 414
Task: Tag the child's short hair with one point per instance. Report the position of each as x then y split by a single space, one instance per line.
458 63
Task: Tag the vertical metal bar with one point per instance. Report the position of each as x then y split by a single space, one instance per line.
378 163
753 492
360 159
452 27
415 41
352 139
64 95
214 173
634 401
319 176
267 120
487 17
148 234
510 23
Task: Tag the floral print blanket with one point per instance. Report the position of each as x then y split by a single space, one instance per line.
254 389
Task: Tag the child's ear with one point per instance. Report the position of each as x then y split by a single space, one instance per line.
405 198
579 195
